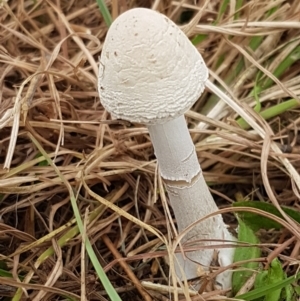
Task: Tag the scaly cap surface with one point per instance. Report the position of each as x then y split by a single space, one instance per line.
149 70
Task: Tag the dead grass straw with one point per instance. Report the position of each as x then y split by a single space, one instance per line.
48 73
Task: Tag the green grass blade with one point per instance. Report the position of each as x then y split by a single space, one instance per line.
238 6
105 12
201 37
6 274
241 122
100 272
221 11
280 108
273 111
292 58
260 292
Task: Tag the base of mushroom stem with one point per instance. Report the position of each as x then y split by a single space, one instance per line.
187 269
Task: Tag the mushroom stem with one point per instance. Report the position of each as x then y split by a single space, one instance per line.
151 73
174 150
190 198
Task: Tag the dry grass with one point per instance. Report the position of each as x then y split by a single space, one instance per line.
48 73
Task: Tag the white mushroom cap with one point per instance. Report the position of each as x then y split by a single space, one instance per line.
149 70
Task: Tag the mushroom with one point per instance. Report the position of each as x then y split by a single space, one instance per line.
151 73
